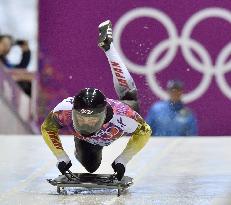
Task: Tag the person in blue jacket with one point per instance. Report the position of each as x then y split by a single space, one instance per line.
171 117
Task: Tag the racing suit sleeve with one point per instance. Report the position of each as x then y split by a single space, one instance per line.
137 141
50 129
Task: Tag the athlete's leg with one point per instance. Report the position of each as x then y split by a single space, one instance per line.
88 155
123 82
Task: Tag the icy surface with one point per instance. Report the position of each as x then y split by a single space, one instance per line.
169 171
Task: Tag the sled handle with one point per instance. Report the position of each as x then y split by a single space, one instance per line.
70 178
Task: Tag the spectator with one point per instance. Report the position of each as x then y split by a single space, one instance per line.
171 117
6 43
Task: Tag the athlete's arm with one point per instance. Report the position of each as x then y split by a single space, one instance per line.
50 129
137 141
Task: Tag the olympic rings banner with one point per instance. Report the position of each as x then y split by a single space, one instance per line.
157 40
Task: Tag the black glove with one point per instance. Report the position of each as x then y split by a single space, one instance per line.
119 169
63 166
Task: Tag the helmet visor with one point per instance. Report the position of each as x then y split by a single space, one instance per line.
88 124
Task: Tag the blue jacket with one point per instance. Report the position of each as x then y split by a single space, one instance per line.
171 119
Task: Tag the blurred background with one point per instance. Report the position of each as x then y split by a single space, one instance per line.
49 51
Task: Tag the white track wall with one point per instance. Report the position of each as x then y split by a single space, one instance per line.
9 122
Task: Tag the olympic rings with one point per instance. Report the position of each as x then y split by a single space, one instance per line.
186 44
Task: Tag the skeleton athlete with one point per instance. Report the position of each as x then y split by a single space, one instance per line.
96 121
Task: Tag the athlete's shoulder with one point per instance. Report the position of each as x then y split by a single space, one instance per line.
120 108
124 116
66 104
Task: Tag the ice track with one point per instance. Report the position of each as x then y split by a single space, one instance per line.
169 171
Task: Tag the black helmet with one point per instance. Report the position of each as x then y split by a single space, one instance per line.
90 99
89 111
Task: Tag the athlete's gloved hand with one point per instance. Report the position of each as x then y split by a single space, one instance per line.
119 169
64 166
